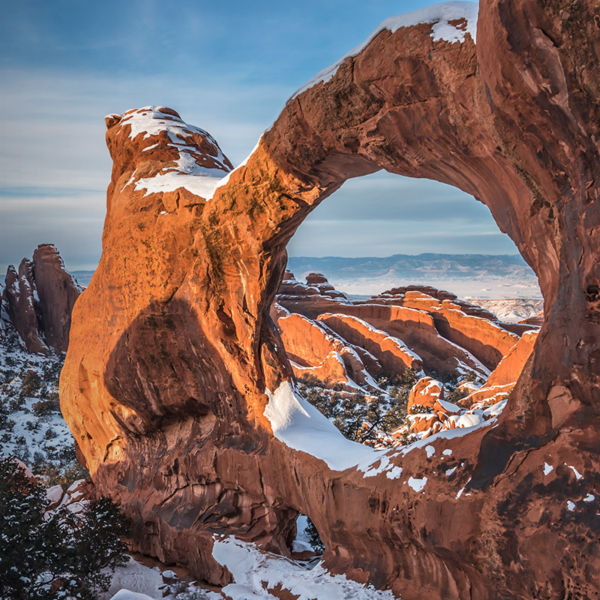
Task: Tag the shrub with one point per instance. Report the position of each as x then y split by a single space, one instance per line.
456 395
313 537
30 384
45 407
58 554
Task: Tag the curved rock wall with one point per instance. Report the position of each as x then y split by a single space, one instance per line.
172 347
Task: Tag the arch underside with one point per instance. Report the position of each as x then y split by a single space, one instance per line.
176 431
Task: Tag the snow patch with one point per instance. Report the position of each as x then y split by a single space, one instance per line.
251 568
187 173
417 484
394 473
448 406
128 595
299 425
548 468
578 475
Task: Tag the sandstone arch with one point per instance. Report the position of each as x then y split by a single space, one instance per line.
513 121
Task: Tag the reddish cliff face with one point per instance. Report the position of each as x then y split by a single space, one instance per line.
57 292
172 347
19 299
39 300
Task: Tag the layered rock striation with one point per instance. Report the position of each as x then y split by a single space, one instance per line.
352 344
178 390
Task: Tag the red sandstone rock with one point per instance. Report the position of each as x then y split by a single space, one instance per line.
57 294
504 377
416 328
39 300
393 355
172 346
426 393
20 300
315 352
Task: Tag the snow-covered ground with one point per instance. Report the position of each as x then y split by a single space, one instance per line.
511 310
256 572
31 425
257 575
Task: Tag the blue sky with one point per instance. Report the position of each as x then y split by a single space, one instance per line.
225 66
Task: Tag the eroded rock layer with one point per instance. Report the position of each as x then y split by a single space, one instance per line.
172 347
353 344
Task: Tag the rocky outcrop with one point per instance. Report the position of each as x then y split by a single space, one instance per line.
315 352
19 302
57 292
443 334
38 300
172 347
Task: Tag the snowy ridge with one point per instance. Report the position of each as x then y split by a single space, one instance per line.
439 15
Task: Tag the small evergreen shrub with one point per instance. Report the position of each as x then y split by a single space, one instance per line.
57 555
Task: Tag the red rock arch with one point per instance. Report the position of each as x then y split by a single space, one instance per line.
177 431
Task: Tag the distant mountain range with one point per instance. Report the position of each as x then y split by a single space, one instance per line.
466 275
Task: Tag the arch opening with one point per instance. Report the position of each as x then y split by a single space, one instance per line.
393 349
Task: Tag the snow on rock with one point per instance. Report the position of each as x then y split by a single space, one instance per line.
394 473
448 20
578 475
446 434
466 420
54 494
135 581
299 425
197 170
417 484
254 570
547 468
187 174
128 595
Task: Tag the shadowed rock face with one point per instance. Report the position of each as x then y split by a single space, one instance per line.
172 346
39 299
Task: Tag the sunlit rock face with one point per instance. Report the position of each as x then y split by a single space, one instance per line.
37 300
176 384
